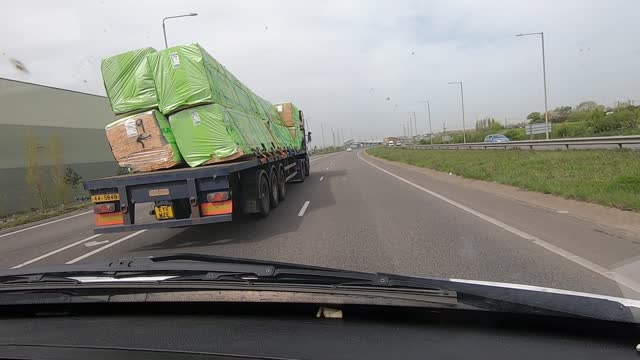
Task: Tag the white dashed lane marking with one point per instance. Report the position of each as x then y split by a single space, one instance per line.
304 208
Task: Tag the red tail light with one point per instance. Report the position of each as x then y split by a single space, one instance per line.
104 208
218 196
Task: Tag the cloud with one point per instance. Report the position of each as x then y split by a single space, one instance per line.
327 55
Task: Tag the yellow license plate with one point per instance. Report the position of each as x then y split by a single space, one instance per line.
105 198
164 212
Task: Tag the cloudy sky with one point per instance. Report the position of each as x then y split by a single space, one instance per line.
341 60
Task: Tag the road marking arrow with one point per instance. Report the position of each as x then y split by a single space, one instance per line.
95 243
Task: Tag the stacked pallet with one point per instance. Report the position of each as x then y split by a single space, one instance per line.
142 139
292 119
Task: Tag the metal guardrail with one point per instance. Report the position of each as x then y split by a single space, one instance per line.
618 142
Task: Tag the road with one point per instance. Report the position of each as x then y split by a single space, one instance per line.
360 213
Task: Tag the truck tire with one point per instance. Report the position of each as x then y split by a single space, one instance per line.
282 183
307 167
300 170
263 196
274 193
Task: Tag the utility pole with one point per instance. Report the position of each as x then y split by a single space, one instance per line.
322 131
544 81
464 130
415 122
429 114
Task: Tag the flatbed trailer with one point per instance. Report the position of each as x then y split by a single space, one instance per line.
200 195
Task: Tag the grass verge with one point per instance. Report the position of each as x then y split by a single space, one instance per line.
606 177
37 215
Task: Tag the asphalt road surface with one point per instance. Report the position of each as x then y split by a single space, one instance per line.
359 213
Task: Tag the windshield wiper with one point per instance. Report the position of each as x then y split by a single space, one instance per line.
283 273
196 267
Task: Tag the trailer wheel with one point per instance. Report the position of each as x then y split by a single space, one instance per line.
282 183
263 201
274 196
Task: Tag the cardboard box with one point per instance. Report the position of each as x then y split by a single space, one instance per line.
143 142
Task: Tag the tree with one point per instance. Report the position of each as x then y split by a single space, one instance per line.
33 173
71 177
57 169
560 114
534 117
587 106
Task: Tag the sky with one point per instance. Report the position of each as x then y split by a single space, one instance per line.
360 66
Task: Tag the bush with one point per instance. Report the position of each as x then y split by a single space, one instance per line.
619 120
571 130
579 116
515 134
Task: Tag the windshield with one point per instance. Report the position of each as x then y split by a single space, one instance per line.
347 135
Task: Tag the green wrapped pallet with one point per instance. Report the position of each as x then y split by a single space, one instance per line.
187 75
283 137
128 81
209 134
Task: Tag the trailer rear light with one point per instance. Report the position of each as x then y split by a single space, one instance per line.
218 196
104 208
114 218
216 208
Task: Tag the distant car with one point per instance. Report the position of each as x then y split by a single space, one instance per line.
349 149
399 144
496 138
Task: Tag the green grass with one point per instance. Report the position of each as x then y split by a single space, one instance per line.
606 177
33 216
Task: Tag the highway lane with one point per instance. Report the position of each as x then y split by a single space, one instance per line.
359 217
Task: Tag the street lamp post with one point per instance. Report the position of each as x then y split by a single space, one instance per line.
164 29
464 128
429 113
544 81
322 131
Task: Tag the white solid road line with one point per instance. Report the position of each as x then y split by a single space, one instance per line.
56 251
304 208
620 279
105 247
47 223
321 177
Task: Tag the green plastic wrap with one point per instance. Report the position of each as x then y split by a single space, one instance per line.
213 133
128 81
283 137
187 75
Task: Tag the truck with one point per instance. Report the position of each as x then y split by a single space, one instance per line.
199 195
